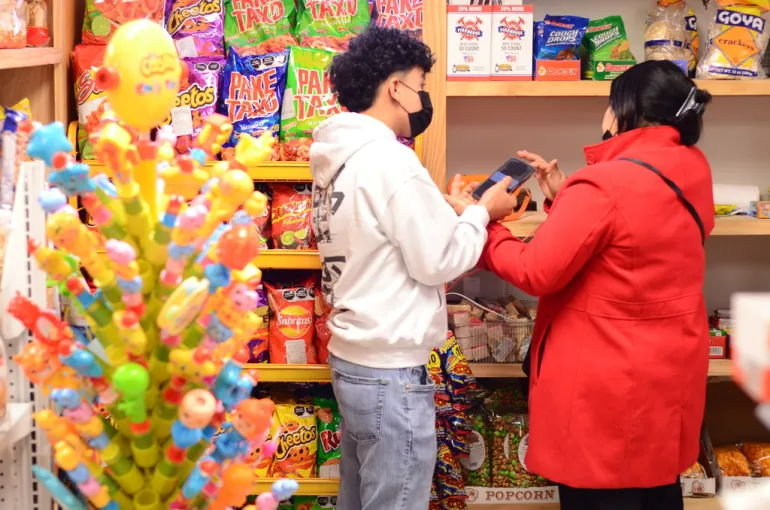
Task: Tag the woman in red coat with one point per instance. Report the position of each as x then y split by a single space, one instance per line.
619 354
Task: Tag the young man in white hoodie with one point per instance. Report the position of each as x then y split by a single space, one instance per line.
388 242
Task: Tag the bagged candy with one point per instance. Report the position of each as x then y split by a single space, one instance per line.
330 24
291 209
406 16
291 328
253 92
308 101
329 437
196 100
256 27
90 99
103 17
297 442
561 37
197 27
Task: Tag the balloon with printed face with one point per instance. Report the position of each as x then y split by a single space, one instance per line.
141 74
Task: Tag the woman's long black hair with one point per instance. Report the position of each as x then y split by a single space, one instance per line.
652 93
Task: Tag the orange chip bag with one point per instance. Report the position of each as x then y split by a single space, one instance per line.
103 17
290 339
292 205
297 443
90 99
322 333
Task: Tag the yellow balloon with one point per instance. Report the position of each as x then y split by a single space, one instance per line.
141 74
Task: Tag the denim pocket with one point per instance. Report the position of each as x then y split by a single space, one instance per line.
362 400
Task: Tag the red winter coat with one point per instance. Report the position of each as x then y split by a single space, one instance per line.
619 355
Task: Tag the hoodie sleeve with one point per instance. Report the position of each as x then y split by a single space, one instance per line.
437 245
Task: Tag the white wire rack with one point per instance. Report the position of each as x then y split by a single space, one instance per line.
18 489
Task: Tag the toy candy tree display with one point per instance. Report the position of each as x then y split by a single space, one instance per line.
173 305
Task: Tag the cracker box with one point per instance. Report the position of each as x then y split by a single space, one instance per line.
469 42
512 40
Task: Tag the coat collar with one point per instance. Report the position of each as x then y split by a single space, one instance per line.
642 138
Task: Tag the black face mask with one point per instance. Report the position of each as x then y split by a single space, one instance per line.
419 120
607 135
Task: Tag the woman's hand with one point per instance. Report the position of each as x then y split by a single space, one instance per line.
548 175
460 196
498 201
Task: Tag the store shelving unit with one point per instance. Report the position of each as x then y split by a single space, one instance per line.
307 486
689 504
17 426
29 57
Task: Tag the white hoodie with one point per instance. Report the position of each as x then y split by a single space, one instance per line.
388 242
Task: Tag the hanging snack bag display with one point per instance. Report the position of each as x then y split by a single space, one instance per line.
329 422
196 100
291 209
606 52
252 93
291 326
255 28
197 27
307 102
738 37
90 99
297 441
103 17
329 24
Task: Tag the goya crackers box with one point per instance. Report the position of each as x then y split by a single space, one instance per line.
512 39
469 42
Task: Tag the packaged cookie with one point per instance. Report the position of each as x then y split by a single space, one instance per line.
197 27
732 461
297 452
758 455
737 37
477 467
510 438
329 422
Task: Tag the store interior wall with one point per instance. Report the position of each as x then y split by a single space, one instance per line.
483 132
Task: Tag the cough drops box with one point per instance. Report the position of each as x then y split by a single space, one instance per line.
469 42
512 39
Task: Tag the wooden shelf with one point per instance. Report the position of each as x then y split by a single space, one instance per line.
727 226
29 57
588 88
291 373
277 171
307 486
689 504
717 368
288 259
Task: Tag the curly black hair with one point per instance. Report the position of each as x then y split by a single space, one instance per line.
372 57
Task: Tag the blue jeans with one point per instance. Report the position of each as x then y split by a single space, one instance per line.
388 436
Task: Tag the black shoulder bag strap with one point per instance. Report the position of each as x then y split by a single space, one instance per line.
671 184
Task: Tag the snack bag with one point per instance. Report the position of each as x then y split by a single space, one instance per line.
606 50
738 38
90 99
103 17
758 455
13 25
291 328
561 37
679 9
253 92
291 209
459 378
322 333
258 351
263 465
256 27
297 442
732 461
308 101
329 422
406 16
196 101
197 27
262 222
694 471
314 502
477 467
331 24
666 37
509 450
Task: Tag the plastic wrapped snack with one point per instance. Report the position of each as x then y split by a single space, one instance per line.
559 37
291 328
329 24
290 221
732 461
679 9
255 28
606 51
738 36
196 100
665 37
197 27
13 25
758 455
103 17
297 452
694 471
477 467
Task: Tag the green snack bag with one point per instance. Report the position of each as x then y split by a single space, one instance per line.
315 502
605 49
286 505
329 422
331 24
307 101
257 27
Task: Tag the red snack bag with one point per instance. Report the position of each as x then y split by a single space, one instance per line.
291 209
103 17
322 333
90 99
290 339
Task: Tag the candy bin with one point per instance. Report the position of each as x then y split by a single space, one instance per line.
176 287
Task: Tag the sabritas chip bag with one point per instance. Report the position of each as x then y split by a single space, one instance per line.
256 27
297 442
738 38
606 52
290 338
331 24
307 101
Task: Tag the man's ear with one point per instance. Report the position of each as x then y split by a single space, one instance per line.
393 86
